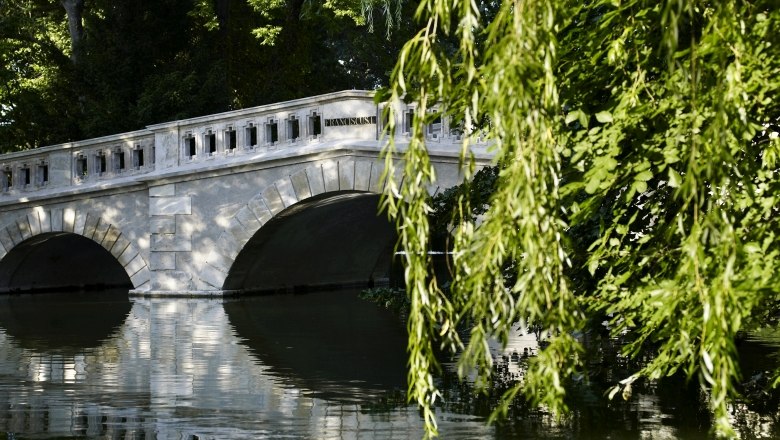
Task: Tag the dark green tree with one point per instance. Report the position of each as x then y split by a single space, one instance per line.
35 66
75 69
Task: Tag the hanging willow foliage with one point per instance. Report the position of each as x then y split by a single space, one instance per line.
637 150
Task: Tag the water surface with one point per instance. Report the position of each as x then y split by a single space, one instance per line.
315 366
323 365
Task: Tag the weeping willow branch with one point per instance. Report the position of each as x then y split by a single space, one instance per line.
643 125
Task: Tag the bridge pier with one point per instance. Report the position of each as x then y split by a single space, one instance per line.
166 211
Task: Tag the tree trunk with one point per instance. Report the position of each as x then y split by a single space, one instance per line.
222 9
75 10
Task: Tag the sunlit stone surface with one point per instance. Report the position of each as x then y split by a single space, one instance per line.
178 205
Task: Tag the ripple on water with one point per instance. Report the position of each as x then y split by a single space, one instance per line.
104 366
316 366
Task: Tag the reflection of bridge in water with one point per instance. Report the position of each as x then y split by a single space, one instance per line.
176 368
183 206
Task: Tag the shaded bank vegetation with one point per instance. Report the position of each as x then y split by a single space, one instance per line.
673 406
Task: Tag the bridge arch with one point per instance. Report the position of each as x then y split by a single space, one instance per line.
41 224
313 185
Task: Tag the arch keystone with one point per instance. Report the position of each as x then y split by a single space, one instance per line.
45 218
363 175
347 175
56 219
330 175
35 223
68 220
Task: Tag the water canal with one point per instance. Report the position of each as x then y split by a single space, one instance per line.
323 365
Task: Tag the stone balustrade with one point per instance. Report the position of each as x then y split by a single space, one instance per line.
77 163
180 205
230 137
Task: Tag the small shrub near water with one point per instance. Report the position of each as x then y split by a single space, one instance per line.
391 298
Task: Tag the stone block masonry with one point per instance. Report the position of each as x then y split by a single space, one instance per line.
178 203
166 239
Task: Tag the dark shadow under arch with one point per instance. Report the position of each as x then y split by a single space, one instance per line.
60 261
335 239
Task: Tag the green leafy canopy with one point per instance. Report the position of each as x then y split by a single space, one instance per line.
636 145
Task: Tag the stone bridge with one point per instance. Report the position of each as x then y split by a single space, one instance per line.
266 198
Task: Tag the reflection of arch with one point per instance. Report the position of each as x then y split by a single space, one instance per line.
312 182
63 324
335 345
86 224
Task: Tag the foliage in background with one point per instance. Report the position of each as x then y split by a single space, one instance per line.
34 68
475 193
139 63
637 173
